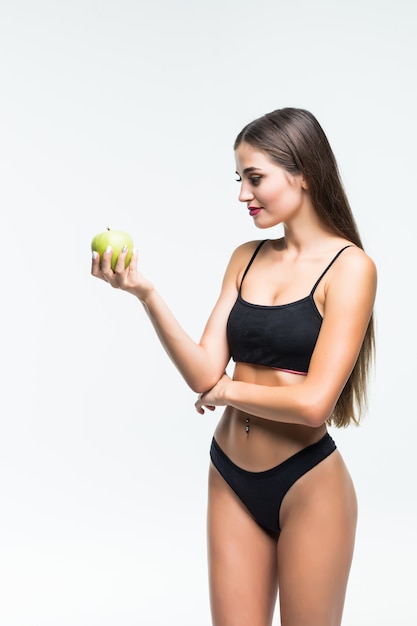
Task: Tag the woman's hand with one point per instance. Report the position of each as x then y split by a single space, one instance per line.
214 397
129 278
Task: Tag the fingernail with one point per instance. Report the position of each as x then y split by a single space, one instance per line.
124 248
95 255
108 249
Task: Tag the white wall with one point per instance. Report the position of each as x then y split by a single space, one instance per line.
123 114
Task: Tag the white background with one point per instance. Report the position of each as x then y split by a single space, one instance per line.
123 114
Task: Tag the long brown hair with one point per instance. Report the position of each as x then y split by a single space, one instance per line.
294 139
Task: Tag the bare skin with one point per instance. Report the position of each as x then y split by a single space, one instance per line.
310 562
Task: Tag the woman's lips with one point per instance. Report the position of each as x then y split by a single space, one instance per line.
254 210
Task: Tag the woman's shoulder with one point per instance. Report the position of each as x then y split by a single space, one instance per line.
241 256
356 258
248 248
354 267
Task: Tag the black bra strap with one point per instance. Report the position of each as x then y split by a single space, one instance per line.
258 247
328 267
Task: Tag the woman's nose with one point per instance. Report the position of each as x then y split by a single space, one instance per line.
245 193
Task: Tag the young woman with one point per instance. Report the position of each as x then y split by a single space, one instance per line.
295 315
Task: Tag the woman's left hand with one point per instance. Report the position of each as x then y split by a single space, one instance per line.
214 397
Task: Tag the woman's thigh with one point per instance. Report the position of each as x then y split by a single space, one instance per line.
315 547
242 561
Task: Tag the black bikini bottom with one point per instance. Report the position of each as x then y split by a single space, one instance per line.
263 492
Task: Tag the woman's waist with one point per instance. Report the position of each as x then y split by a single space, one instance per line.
257 444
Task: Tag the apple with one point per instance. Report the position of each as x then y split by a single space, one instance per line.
117 239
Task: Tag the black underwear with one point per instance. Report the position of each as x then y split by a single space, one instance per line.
263 492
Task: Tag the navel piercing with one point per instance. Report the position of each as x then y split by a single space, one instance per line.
247 425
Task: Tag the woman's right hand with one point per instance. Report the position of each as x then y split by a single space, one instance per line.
129 278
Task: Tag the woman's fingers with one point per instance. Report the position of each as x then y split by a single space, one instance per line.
95 264
126 278
120 264
105 264
133 261
200 408
101 267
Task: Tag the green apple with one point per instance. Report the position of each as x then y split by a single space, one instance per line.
117 239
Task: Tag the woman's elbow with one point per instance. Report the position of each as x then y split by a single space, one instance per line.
316 411
203 383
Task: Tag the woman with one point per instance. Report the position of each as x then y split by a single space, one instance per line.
295 315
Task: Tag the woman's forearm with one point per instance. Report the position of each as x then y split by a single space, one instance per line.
293 404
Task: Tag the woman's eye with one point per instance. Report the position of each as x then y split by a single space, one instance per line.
254 180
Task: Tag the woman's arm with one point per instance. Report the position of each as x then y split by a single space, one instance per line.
201 364
349 301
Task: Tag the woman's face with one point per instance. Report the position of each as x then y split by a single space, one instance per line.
272 194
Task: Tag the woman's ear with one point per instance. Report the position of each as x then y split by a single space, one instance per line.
304 184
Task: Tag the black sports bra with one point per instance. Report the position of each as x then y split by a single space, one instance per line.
281 336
